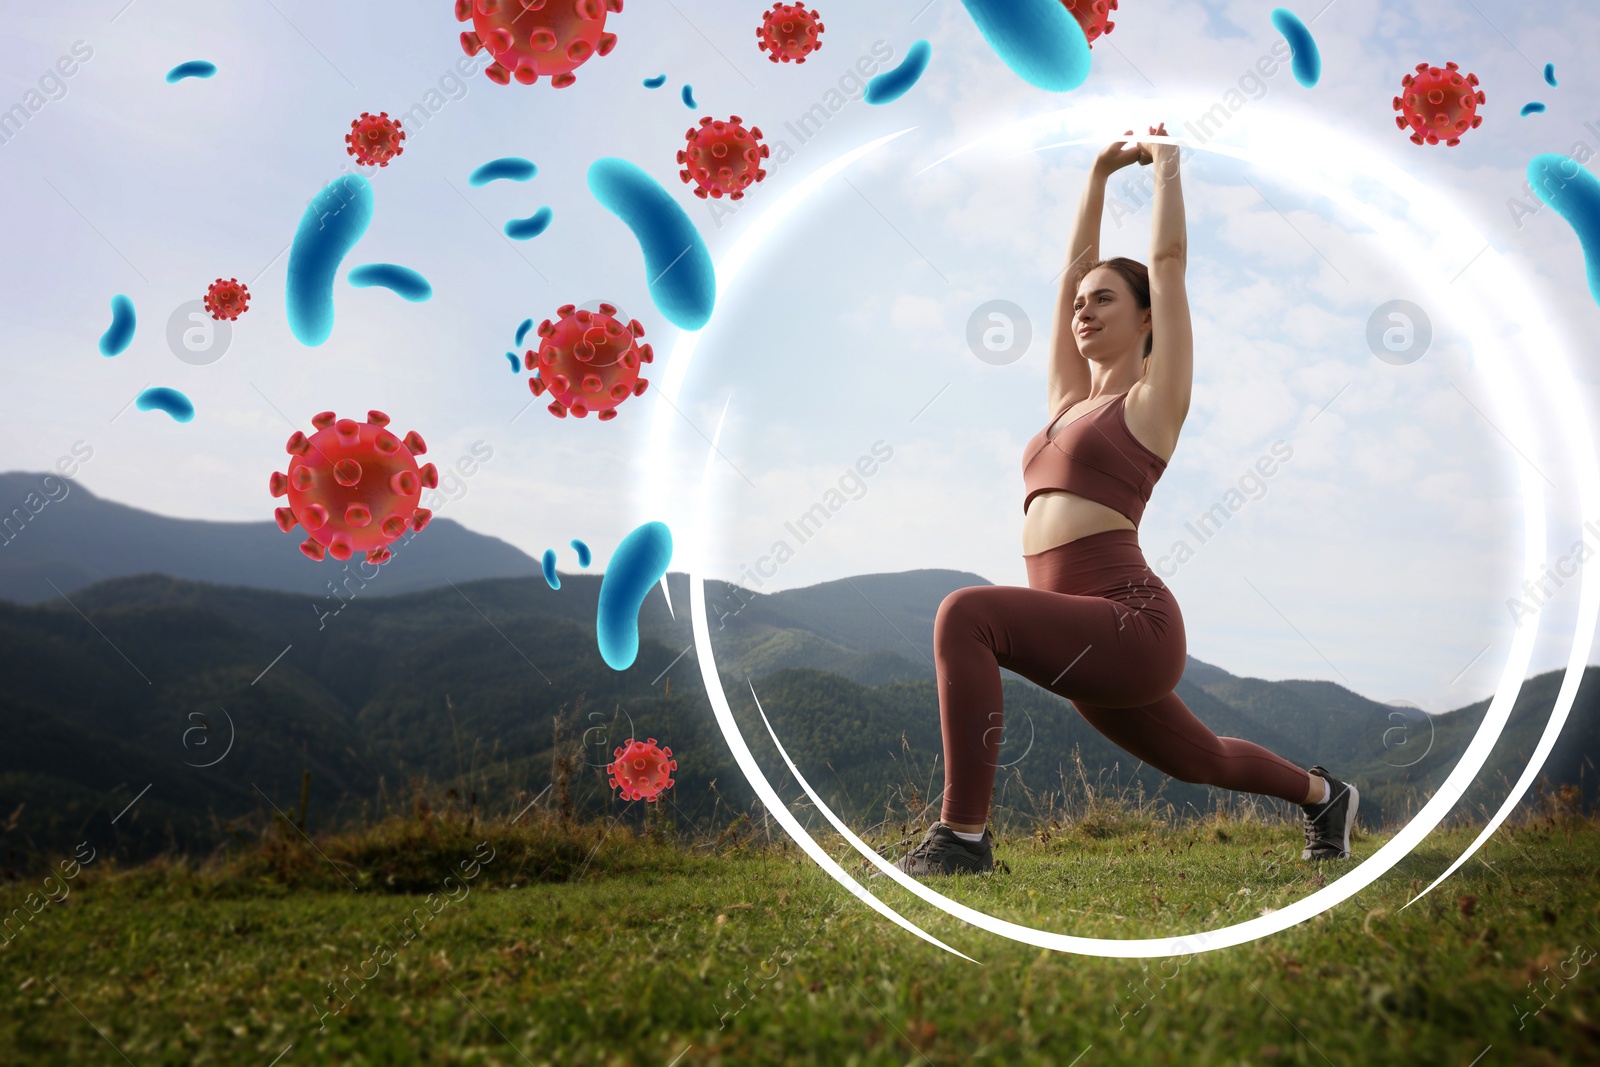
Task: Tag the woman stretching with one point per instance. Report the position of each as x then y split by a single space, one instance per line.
1095 624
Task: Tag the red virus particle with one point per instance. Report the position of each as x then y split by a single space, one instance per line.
723 158
532 37
788 33
1093 15
227 299
641 770
1438 103
354 486
374 139
589 361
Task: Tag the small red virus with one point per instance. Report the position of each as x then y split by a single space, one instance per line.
354 486
589 361
641 770
1438 103
723 158
227 299
788 33
1093 15
374 139
532 37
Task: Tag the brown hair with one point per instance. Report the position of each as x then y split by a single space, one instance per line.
1136 274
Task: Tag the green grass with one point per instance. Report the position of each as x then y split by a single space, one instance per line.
567 948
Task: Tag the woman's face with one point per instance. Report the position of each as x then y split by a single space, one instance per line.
1105 308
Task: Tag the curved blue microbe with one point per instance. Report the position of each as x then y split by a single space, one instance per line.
511 168
584 555
516 364
195 68
171 401
402 281
655 83
891 85
1533 107
1575 194
688 96
549 566
1550 74
1307 61
530 227
116 340
1039 40
522 331
636 566
681 276
333 222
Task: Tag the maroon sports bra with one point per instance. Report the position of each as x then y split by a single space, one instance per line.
1095 456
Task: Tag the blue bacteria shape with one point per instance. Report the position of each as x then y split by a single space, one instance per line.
548 564
636 566
1039 40
171 401
688 96
1574 192
333 222
1307 61
678 268
522 331
516 363
529 228
403 281
1550 74
655 83
119 336
891 85
195 68
584 555
1533 107
507 168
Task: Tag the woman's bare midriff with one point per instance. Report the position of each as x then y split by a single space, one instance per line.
1056 516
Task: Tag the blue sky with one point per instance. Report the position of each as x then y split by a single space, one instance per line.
1380 554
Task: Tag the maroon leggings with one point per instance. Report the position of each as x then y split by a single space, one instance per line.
1098 627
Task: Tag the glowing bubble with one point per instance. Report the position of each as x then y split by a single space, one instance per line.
1307 61
522 331
636 566
400 280
678 267
195 68
530 227
584 555
171 401
1550 74
1575 194
688 96
333 222
548 563
516 362
1038 39
116 340
1533 107
655 83
891 85
509 168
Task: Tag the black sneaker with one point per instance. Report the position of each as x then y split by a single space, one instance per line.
1327 825
942 852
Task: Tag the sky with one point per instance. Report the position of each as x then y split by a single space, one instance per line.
1379 553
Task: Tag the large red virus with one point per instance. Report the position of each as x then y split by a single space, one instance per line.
227 299
641 770
589 361
723 158
374 139
788 33
1438 103
532 37
1093 15
354 486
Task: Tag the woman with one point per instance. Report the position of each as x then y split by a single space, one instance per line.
1095 624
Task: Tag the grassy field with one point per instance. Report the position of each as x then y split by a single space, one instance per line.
454 941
